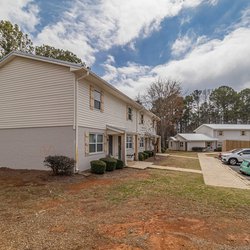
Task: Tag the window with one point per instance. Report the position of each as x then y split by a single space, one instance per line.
220 133
142 119
243 133
97 99
95 143
130 114
141 142
246 152
181 144
129 142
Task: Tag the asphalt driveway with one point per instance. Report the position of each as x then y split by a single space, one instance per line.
237 170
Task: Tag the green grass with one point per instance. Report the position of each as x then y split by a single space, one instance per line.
179 162
183 188
182 153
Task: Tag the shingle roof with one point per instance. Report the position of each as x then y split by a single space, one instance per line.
227 126
197 137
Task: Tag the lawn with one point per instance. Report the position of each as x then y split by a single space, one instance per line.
182 153
125 209
178 162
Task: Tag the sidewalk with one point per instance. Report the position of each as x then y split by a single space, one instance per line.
217 174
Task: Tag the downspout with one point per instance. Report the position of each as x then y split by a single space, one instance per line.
76 119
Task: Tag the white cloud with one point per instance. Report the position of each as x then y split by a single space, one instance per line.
209 64
91 26
22 12
181 45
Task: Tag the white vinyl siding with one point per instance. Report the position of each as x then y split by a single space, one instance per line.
35 94
114 111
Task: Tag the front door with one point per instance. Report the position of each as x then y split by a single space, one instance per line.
119 147
110 145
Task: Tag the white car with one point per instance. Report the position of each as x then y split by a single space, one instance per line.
236 156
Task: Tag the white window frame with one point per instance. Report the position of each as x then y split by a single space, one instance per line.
96 143
98 100
141 143
181 144
129 142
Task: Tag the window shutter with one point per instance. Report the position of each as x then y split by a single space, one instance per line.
105 144
86 143
91 97
102 101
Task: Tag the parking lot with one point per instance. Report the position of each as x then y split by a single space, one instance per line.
236 168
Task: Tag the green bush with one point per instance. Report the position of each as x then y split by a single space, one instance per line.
119 164
163 150
149 152
98 167
60 165
146 155
110 163
141 156
198 149
218 149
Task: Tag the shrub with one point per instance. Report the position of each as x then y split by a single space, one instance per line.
141 156
60 165
119 164
145 155
198 149
98 167
163 150
149 152
110 163
219 149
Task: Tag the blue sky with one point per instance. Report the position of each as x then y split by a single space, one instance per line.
201 43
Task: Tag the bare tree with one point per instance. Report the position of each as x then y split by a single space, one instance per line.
164 99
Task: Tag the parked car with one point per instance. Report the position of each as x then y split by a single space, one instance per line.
236 156
245 167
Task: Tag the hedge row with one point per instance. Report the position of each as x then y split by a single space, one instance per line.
105 164
145 155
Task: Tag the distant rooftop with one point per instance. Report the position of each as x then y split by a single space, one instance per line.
197 137
228 126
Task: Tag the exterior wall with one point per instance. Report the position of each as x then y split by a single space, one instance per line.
232 135
26 148
35 94
190 145
206 131
115 111
147 126
173 145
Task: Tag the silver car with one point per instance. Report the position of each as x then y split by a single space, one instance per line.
236 156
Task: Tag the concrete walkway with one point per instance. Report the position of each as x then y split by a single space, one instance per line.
144 165
217 174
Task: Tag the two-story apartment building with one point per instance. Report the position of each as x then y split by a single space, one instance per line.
234 132
50 107
210 136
